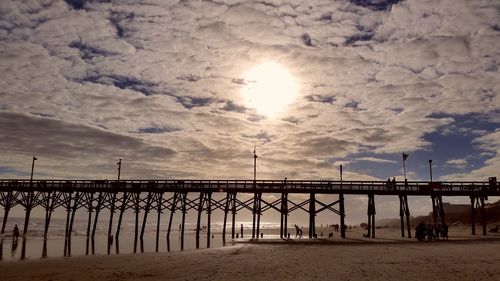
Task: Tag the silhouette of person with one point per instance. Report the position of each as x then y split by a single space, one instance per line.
394 182
241 230
300 232
15 232
388 184
297 230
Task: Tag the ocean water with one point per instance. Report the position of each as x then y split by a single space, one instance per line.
34 246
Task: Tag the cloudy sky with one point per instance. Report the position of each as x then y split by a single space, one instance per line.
161 85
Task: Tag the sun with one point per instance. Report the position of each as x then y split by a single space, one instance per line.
269 88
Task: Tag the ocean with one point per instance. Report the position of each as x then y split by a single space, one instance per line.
34 246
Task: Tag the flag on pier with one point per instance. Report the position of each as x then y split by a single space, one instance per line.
405 156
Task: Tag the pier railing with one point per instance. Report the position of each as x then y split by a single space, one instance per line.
264 186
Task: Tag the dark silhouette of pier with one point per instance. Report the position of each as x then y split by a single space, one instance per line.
170 196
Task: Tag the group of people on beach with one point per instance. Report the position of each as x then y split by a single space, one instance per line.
431 231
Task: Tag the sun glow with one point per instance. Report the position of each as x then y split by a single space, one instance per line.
269 88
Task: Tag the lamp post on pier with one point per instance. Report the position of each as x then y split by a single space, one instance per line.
119 167
32 169
430 169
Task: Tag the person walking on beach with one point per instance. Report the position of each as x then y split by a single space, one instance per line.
444 233
241 230
15 232
300 232
297 230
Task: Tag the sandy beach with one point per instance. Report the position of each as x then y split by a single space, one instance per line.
386 258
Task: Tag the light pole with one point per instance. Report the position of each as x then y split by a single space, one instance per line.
341 173
254 165
32 169
430 168
119 167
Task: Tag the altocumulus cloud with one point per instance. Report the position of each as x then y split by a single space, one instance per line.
86 82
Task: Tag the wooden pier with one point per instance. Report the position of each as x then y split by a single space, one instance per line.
170 196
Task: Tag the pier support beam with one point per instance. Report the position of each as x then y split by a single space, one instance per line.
312 215
437 209
49 207
284 215
200 210
97 211
120 217
110 226
254 213
371 215
159 210
173 206
28 201
342 215
68 212
146 212
477 202
7 200
404 211
209 217
90 200
259 212
233 213
226 210
183 226
137 198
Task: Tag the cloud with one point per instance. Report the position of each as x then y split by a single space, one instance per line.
459 163
376 160
375 76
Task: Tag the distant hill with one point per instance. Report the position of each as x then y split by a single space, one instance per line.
455 214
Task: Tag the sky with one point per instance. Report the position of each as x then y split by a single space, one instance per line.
163 85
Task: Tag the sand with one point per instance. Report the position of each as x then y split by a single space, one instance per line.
273 259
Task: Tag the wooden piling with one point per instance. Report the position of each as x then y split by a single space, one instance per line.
371 215
28 205
282 214
407 213
226 210
473 214
183 225
136 226
76 201
8 204
209 214
68 212
159 209
200 209
89 202
97 211
146 211
233 212
342 215
172 211
254 213
259 211
312 215
49 205
110 225
120 217
482 211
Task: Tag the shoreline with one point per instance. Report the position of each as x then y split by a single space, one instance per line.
472 259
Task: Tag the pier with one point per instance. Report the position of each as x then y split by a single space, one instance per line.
166 197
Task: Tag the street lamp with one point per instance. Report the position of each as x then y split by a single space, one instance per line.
119 167
32 168
430 168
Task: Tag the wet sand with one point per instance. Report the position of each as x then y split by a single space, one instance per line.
463 257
